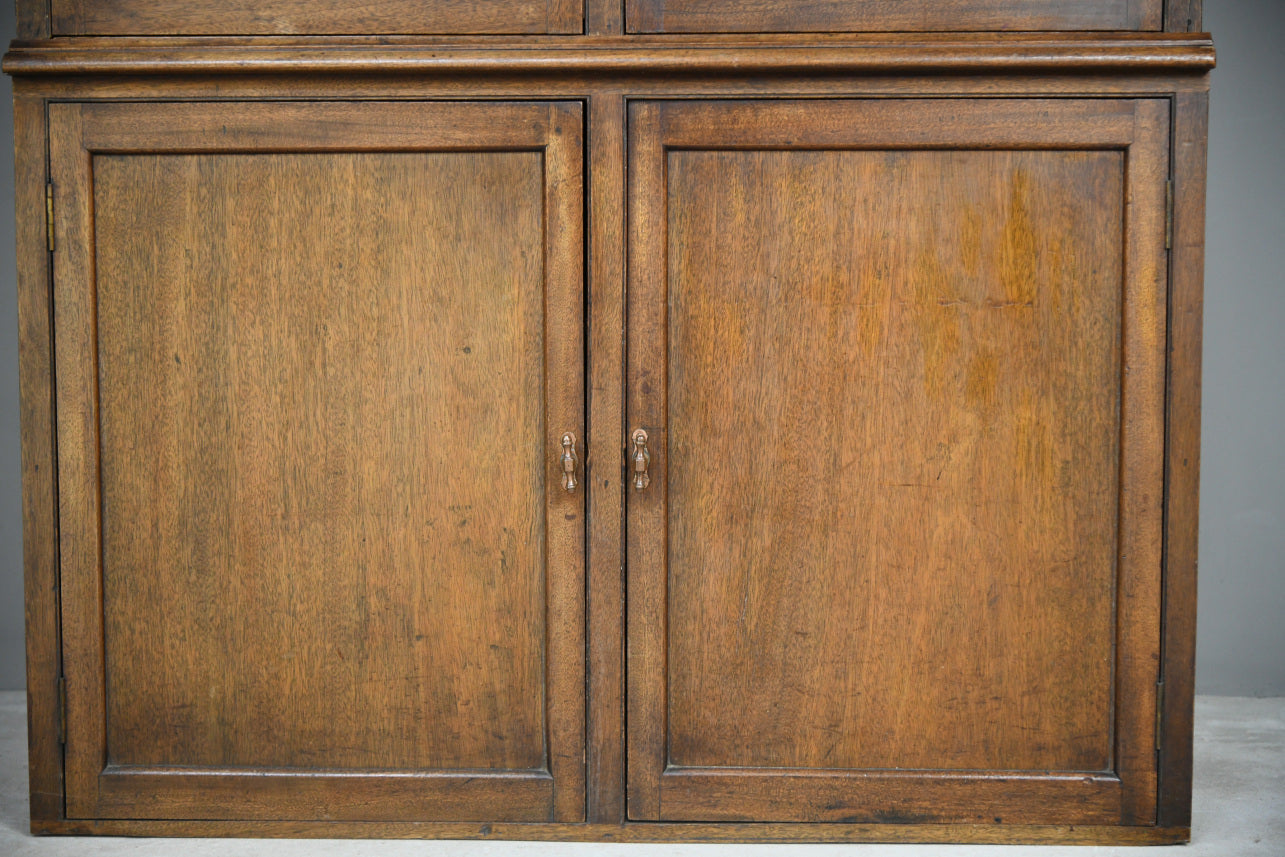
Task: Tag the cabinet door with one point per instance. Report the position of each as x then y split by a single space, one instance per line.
314 364
901 363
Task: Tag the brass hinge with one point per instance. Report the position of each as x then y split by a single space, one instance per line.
49 214
1169 215
62 710
1160 709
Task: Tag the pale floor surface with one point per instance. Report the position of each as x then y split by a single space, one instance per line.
1239 809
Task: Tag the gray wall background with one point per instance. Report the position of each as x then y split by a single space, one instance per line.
1241 647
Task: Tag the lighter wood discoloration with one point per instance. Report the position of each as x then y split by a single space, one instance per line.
803 16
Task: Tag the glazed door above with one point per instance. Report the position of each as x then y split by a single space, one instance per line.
312 17
900 365
838 16
314 365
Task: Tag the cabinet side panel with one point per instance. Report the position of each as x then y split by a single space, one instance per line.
1182 465
39 491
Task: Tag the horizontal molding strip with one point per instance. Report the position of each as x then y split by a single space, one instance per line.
758 833
909 54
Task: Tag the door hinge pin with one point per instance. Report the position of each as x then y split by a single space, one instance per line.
62 710
49 214
1169 215
1160 710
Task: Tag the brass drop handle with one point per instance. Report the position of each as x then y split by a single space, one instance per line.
641 459
569 461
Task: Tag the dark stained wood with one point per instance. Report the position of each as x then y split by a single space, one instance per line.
1183 16
33 19
565 513
999 834
312 411
38 457
855 581
1182 455
604 17
606 156
802 16
892 53
607 68
931 470
516 84
311 17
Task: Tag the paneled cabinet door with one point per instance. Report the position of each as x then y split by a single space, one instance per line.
901 367
314 366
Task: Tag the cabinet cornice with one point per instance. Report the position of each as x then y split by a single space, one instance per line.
908 54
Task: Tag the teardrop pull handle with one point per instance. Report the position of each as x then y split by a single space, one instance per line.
569 461
641 460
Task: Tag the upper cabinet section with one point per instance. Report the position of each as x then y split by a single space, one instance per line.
313 17
852 16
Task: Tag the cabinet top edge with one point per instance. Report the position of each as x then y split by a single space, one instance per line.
870 54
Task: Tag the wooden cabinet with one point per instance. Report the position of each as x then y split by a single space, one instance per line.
684 427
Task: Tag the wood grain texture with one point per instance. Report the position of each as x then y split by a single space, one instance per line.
890 797
748 54
333 536
605 69
1182 454
605 488
33 19
79 544
281 449
997 834
311 17
1141 502
604 17
38 460
645 511
919 469
817 463
1183 16
801 16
